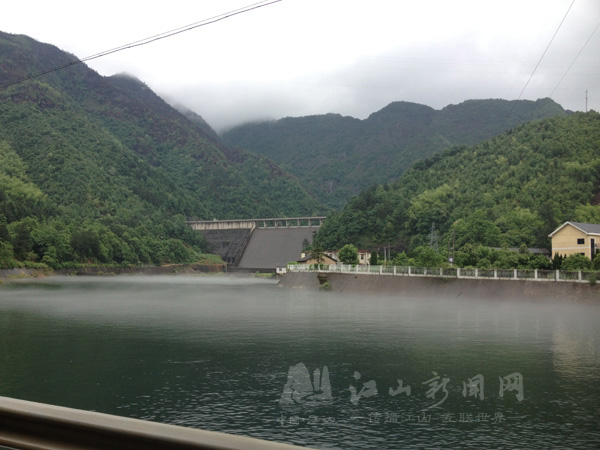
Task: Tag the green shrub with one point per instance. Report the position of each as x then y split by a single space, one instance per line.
576 262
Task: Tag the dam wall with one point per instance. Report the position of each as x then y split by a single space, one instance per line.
258 244
269 248
431 287
229 244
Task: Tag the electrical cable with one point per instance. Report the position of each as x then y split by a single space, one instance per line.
147 40
580 51
544 54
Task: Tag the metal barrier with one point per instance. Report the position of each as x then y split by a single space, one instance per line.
37 426
454 272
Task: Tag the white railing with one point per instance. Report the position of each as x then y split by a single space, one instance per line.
242 224
452 272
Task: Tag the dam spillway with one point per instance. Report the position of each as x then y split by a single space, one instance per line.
270 248
258 244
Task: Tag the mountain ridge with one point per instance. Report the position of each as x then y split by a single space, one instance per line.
512 190
107 171
337 156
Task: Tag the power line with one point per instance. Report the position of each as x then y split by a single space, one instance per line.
547 47
148 40
584 45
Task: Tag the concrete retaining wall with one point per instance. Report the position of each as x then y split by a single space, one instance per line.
415 287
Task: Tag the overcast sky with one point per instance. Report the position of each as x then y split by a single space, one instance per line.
302 57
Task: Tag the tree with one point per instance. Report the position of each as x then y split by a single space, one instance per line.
477 229
349 254
402 259
175 251
539 262
374 261
388 233
433 205
86 244
51 238
4 235
469 255
6 256
22 242
318 255
576 262
425 256
596 262
520 226
305 244
587 213
557 260
509 259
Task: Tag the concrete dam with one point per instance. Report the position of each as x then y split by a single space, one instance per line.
258 244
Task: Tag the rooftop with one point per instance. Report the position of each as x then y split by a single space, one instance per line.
587 228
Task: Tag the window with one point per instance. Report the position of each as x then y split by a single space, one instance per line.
580 241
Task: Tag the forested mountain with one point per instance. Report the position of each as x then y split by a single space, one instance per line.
336 157
103 170
512 190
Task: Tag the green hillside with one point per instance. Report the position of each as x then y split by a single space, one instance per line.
96 169
336 157
512 190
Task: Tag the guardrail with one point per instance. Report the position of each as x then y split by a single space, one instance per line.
29 425
452 272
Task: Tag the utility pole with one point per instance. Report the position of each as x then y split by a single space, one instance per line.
451 249
586 91
433 240
452 245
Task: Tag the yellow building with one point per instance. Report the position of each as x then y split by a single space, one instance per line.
307 258
576 237
364 256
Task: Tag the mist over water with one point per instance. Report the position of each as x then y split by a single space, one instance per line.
214 353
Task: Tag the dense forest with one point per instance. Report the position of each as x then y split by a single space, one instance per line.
336 157
510 191
101 170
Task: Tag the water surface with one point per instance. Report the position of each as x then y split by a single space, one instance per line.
215 352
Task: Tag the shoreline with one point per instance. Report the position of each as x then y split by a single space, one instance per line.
360 284
412 287
172 269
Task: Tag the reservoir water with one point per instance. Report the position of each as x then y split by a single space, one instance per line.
318 369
